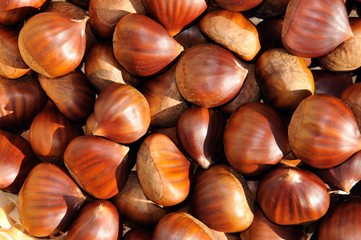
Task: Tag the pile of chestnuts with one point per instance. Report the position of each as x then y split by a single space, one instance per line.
180 119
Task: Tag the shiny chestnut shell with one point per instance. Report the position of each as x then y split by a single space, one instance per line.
208 75
96 220
98 165
323 131
221 199
290 196
48 200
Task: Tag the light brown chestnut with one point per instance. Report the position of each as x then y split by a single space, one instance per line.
71 93
20 101
102 68
325 25
143 46
98 165
134 207
11 64
284 79
163 171
200 133
255 138
208 75
48 200
292 196
221 199
175 15
105 14
121 113
98 220
50 133
17 160
165 102
323 131
233 31
52 43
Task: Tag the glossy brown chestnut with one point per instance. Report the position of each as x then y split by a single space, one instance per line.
102 68
17 160
71 93
324 24
52 44
20 101
11 64
291 196
181 225
343 176
105 14
138 234
98 220
14 12
48 200
255 138
208 75
221 199
238 5
121 113
98 165
134 207
143 46
174 15
284 79
200 133
249 92
323 131
262 228
331 83
163 171
343 222
165 102
50 133
233 31
352 97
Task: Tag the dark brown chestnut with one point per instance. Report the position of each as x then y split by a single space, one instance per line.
352 97
331 83
48 200
221 199
200 133
71 93
271 8
255 138
323 131
138 234
174 15
98 165
20 101
134 207
190 36
291 196
238 5
50 132
17 160
208 75
325 25
98 220
143 46
121 113
163 170
102 68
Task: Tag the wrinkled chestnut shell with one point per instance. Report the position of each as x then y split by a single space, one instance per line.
249 126
163 171
221 199
143 46
208 75
48 200
323 131
174 15
98 165
96 220
290 196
